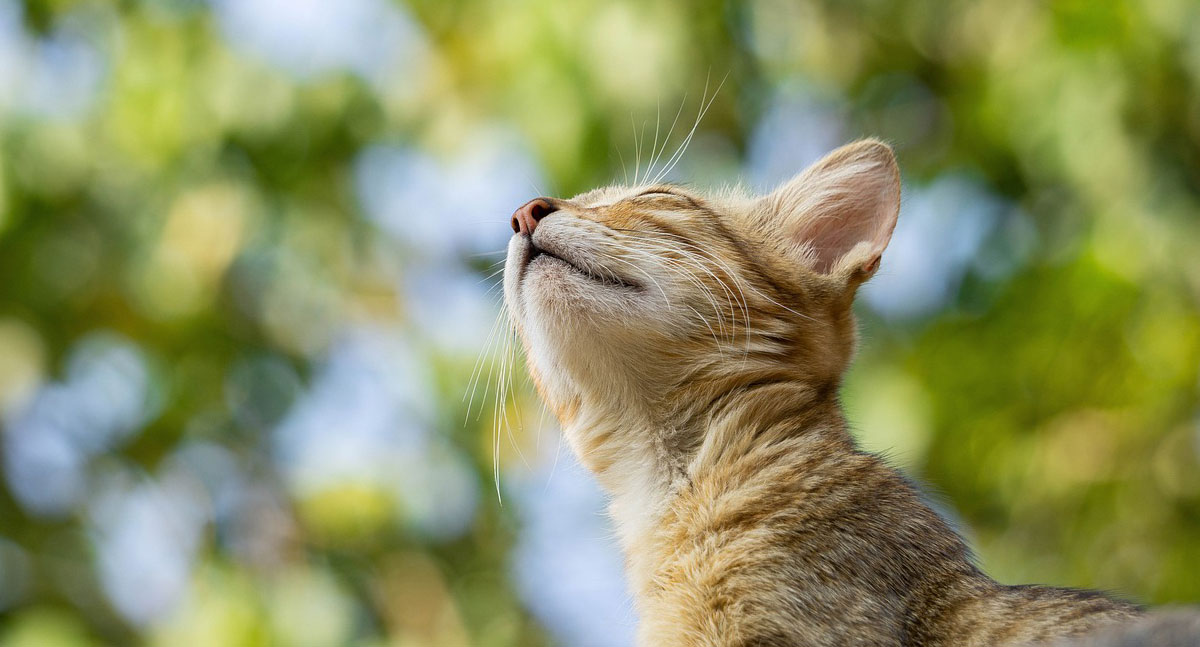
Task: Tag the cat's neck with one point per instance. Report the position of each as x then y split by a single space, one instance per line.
712 426
764 412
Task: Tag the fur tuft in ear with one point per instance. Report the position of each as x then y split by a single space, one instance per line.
840 212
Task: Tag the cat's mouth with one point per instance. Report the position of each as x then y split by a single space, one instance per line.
542 255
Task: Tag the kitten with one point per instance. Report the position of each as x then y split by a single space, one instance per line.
692 348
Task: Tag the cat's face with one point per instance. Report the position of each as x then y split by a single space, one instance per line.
624 297
613 287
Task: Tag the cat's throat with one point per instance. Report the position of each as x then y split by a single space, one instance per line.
645 464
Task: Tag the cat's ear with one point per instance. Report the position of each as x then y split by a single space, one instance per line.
838 215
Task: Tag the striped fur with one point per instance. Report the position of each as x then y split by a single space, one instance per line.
692 348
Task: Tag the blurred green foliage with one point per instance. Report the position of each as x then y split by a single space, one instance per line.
187 204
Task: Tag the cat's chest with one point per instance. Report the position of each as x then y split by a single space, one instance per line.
731 567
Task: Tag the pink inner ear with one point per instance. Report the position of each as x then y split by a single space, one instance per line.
863 210
846 203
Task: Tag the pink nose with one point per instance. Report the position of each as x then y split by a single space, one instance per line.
525 219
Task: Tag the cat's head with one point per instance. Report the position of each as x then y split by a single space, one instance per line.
636 303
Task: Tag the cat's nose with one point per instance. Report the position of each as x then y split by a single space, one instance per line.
525 219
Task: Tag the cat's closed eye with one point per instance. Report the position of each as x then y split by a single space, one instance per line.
658 192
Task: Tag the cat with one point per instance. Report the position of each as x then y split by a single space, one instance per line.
691 347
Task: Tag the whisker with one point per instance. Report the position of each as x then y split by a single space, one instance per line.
674 159
533 185
497 252
729 294
654 147
637 150
719 261
506 394
670 131
684 262
490 276
672 265
477 371
666 297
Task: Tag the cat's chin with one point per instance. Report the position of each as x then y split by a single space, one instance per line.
542 258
